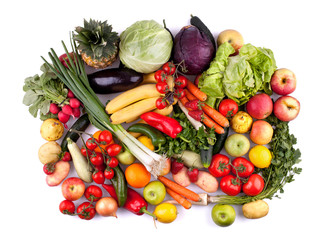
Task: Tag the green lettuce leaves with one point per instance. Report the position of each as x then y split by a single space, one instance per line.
238 77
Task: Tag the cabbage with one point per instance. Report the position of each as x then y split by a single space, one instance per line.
145 46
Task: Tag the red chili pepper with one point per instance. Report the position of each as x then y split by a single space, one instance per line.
135 203
165 124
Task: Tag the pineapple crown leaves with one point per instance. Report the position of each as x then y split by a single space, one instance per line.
96 39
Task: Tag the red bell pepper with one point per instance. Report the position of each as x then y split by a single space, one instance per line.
165 124
135 203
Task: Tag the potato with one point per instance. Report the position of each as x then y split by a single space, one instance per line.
207 182
182 178
51 129
62 170
241 122
256 209
49 152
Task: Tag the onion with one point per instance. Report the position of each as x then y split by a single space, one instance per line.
107 207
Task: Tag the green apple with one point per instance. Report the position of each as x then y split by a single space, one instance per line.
125 157
236 145
223 215
154 193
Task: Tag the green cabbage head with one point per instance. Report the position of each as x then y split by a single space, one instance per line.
145 46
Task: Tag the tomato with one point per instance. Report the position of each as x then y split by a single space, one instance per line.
242 167
219 166
181 82
162 87
67 207
83 151
100 167
93 193
230 185
113 149
161 103
109 173
98 177
49 168
160 76
66 157
179 93
254 185
65 60
112 162
86 211
169 68
91 144
105 137
97 159
228 107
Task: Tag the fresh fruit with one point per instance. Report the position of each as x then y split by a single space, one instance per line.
193 174
161 103
261 132
283 81
125 157
49 168
61 171
254 185
176 165
51 129
233 37
96 159
223 215
241 122
165 212
286 108
86 211
98 177
181 81
236 145
260 106
162 87
113 149
137 175
97 43
67 207
219 165
242 167
228 107
260 156
169 68
112 162
105 136
109 173
160 76
93 193
154 193
73 188
193 105
230 185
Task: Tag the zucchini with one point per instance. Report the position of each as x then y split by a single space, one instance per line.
81 124
120 185
220 142
195 21
206 156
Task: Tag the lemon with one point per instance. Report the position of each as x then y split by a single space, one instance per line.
260 156
165 212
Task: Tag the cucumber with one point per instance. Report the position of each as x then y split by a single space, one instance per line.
206 156
220 142
195 21
81 124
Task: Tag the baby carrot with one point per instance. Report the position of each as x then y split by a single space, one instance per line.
189 95
210 123
177 197
196 91
215 115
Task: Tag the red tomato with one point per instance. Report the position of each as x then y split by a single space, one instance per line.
230 185
254 185
93 193
169 68
181 82
105 136
228 107
112 162
67 207
219 166
91 144
98 177
83 151
113 149
161 103
66 157
242 167
162 87
86 211
179 93
97 159
109 173
100 167
160 76
49 168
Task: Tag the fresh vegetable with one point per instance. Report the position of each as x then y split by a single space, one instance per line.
207 182
113 149
160 76
215 115
255 209
165 212
212 124
190 158
181 82
120 185
220 165
196 124
169 68
181 177
61 171
66 157
242 167
254 185
196 92
146 141
230 185
109 173
86 211
114 80
107 207
193 105
49 168
51 129
176 165
137 175
105 136
64 58
67 207
181 200
145 46
228 107
83 168
161 103
194 20
98 177
206 156
49 152
162 87
93 193
193 174
220 142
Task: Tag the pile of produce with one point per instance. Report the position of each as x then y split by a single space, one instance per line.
198 114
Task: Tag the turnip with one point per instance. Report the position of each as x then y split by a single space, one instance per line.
74 103
54 108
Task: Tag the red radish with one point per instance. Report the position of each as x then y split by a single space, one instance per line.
76 112
67 110
70 94
64 118
74 103
54 109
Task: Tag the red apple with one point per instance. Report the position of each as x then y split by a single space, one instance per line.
233 37
283 81
73 188
261 132
286 108
260 106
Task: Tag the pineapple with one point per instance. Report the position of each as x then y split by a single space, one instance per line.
97 44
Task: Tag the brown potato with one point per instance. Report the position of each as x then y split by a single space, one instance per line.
62 170
51 129
256 209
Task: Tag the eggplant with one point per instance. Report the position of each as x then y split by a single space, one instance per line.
114 80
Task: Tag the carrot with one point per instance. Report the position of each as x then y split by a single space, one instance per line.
189 95
215 115
210 123
196 92
184 100
179 189
177 197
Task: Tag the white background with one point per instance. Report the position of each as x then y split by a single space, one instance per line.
297 32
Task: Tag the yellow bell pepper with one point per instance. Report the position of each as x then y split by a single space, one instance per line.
146 141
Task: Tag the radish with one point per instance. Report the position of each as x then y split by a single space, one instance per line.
54 109
70 94
74 103
67 110
76 112
64 118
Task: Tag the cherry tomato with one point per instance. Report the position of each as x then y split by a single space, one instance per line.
100 167
98 177
109 173
113 149
242 167
219 166
93 193
112 162
162 87
67 207
83 152
181 82
230 185
91 144
86 211
179 93
160 76
161 103
66 157
176 166
169 68
254 185
105 136
193 174
228 107
97 159
49 168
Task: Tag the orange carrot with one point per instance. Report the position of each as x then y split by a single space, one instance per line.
215 115
210 123
184 100
189 95
179 189
196 91
177 197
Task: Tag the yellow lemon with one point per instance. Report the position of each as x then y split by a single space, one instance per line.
260 156
165 212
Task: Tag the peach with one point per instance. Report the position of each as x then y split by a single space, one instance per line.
261 132
283 81
73 188
260 106
62 170
233 37
286 108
